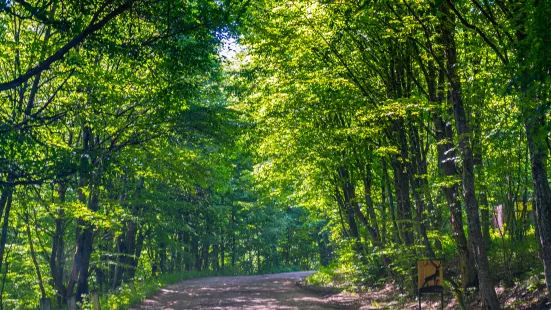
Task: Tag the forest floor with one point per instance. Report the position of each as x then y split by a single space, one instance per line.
273 291
391 296
287 291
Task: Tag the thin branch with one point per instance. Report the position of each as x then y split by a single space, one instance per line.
480 32
45 65
489 16
37 14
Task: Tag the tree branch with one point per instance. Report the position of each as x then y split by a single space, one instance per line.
480 32
490 17
45 65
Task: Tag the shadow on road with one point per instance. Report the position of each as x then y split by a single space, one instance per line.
276 291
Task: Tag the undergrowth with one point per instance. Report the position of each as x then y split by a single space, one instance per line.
517 271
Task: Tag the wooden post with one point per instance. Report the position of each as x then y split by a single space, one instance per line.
72 303
45 304
95 299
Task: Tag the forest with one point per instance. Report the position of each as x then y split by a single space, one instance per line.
147 141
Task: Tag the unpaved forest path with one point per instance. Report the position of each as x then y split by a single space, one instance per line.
274 291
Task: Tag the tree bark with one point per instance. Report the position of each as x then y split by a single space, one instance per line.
417 169
57 255
392 209
85 230
195 250
435 79
5 207
162 257
126 242
33 257
372 224
233 237
222 250
187 245
348 199
134 261
446 159
542 193
401 183
121 252
487 290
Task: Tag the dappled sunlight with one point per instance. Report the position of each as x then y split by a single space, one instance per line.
307 299
253 300
165 291
253 292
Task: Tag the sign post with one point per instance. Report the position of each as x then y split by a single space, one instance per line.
430 277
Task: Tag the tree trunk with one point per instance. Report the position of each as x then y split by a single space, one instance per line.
57 255
392 211
130 247
348 199
33 257
205 248
233 243
121 252
222 251
487 289
215 257
401 183
5 207
85 230
485 218
195 250
373 224
446 164
483 189
178 264
134 261
446 159
542 193
417 178
81 261
162 257
187 245
127 253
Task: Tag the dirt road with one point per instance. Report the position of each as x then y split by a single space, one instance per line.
276 291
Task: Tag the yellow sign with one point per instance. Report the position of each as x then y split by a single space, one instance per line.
430 276
521 209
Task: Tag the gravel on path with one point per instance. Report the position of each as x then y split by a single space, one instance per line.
273 291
